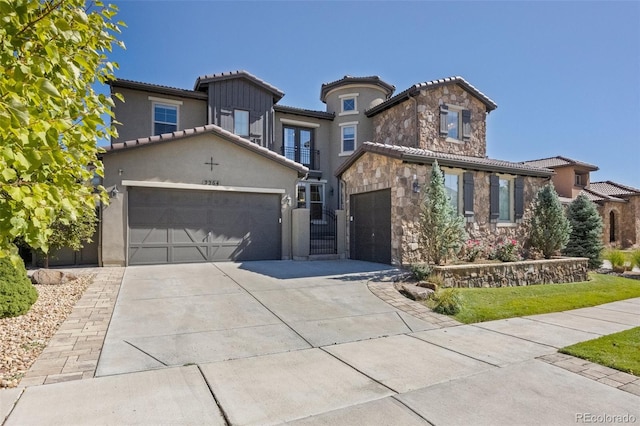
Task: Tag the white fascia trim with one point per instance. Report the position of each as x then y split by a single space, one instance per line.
199 187
299 123
165 101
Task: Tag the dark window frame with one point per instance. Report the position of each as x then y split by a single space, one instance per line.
297 157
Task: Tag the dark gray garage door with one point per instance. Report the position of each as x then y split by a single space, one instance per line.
371 226
183 226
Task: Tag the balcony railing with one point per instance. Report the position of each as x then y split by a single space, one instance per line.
305 156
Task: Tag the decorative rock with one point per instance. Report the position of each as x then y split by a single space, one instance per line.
47 277
414 292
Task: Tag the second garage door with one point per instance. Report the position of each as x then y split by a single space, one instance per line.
371 226
183 226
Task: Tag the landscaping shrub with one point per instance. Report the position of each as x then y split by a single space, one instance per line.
635 259
17 294
473 250
436 279
441 228
616 257
420 271
585 239
549 230
447 301
505 250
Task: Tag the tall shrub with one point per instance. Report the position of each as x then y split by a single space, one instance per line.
549 231
17 294
585 239
441 228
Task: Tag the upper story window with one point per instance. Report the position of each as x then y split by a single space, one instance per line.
348 104
349 132
241 122
580 180
297 145
455 122
165 118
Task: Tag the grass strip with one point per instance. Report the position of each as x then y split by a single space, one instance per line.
486 304
619 350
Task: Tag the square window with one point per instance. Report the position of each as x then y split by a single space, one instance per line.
241 122
348 138
165 118
348 104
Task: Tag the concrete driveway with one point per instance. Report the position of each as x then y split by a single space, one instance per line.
308 343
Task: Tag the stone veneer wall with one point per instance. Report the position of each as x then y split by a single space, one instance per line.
627 223
372 172
397 125
511 274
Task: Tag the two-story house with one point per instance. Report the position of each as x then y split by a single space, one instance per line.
618 204
214 173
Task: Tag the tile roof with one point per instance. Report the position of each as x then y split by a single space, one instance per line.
559 161
156 88
277 93
304 112
453 160
348 79
209 128
595 196
416 88
612 189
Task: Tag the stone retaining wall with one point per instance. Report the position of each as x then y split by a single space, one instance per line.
510 274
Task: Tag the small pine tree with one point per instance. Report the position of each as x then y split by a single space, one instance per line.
550 228
441 228
585 239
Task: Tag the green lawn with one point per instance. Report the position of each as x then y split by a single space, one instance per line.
619 351
485 304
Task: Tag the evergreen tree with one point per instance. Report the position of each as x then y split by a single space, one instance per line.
585 239
441 228
550 228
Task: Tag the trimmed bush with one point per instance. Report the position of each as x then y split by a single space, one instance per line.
17 294
420 271
447 301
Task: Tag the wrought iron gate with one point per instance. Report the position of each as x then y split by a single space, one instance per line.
323 234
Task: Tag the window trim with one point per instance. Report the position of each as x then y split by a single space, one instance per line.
511 180
165 103
459 174
464 123
297 144
353 124
307 191
347 96
237 110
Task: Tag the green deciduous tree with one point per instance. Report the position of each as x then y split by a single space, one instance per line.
585 239
549 231
441 227
72 234
52 52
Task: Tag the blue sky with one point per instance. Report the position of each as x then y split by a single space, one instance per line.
565 75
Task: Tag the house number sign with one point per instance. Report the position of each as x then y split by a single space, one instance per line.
210 182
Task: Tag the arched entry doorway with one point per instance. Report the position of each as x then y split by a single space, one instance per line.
612 227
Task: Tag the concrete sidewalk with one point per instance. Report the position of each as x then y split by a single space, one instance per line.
310 343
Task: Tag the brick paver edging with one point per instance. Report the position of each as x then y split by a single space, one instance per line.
73 352
387 291
597 372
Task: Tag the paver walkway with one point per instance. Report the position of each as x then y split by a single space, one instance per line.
73 352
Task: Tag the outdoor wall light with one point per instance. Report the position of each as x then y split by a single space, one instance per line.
114 192
416 185
286 201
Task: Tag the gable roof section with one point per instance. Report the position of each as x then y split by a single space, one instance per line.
242 74
560 161
427 85
156 88
304 112
209 128
347 79
596 196
417 155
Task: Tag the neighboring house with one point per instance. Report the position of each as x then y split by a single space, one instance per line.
618 205
214 172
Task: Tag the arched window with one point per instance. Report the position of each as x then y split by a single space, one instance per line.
612 227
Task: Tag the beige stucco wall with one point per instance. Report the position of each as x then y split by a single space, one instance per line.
372 172
183 161
397 125
136 113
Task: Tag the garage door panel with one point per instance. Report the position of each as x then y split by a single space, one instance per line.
371 226
200 226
